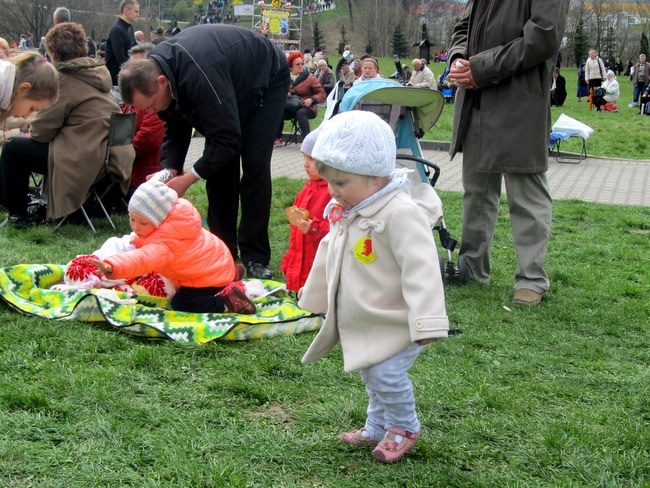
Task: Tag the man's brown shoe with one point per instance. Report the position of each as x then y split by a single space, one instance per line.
524 296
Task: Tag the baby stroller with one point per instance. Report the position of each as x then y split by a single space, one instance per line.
410 112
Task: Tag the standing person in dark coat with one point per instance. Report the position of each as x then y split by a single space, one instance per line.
583 86
121 38
558 89
231 85
502 54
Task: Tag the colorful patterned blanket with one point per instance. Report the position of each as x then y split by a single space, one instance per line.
26 288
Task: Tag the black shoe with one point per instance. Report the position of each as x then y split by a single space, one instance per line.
17 222
258 270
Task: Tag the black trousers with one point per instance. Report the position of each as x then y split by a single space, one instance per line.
226 189
20 157
198 300
303 115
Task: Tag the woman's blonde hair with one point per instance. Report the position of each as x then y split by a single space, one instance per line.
34 69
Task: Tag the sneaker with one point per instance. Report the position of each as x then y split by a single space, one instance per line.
524 296
278 143
394 445
356 437
237 301
258 270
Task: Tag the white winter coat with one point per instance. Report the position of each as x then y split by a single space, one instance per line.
376 307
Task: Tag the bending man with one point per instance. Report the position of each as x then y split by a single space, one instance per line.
230 84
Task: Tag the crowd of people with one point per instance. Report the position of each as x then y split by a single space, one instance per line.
598 82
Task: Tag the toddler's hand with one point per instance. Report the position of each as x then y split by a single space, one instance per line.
303 225
102 266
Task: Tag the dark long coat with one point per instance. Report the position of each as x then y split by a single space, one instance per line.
513 72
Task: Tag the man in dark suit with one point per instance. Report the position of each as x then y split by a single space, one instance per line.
558 89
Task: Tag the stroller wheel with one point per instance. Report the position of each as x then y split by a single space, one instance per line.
450 273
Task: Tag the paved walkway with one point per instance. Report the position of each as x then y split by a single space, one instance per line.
601 180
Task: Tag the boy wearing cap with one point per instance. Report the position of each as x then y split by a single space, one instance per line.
169 239
308 225
376 277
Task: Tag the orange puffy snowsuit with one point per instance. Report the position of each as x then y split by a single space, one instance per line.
179 249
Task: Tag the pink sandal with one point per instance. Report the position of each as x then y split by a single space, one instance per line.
357 437
389 450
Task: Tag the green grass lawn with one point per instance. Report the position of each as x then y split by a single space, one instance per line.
552 396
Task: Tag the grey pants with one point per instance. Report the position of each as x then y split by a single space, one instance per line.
530 206
391 402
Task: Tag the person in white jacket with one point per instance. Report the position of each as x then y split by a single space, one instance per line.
612 91
376 276
422 76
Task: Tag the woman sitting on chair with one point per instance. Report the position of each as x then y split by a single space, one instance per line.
68 139
305 86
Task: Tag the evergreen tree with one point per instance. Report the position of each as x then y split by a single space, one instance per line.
643 45
400 46
580 43
318 40
424 32
343 39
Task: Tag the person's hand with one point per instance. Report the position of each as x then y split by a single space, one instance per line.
102 266
180 184
460 73
303 225
169 171
307 102
296 214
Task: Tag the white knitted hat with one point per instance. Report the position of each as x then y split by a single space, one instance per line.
308 142
356 142
153 200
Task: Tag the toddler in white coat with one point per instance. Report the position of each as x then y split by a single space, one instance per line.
376 277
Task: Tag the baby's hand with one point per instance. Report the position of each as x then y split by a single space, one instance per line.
102 266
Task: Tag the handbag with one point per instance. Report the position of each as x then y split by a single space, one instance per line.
294 103
599 92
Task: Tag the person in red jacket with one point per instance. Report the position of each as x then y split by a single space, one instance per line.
169 239
308 226
148 137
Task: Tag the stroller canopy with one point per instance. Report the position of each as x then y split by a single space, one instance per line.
426 104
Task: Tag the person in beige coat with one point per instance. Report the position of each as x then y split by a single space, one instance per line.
68 139
376 277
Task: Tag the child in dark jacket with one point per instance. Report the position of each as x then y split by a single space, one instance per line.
308 226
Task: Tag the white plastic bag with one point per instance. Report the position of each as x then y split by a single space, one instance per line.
572 127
